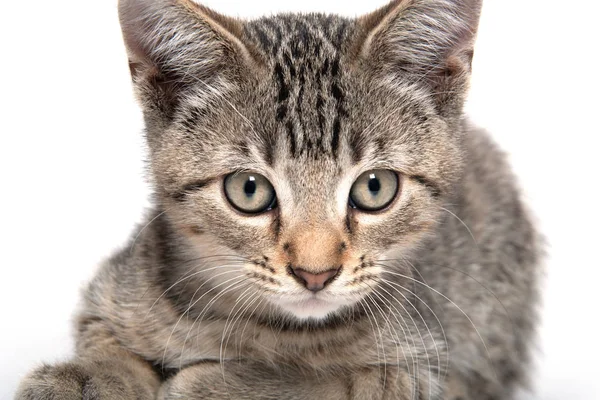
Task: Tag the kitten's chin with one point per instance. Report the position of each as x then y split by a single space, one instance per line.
312 308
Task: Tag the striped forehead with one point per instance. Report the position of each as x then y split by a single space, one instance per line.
301 35
304 53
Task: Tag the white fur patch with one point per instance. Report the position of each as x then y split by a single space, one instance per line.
314 308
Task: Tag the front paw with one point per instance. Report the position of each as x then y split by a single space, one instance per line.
74 381
248 381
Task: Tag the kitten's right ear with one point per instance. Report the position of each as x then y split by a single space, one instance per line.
174 44
427 42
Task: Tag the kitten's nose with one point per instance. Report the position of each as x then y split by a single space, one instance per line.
315 282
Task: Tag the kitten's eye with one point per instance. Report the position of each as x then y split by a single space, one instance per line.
249 192
374 190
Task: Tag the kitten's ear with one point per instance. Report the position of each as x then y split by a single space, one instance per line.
429 41
173 44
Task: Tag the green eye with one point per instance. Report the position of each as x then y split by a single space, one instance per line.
249 192
374 190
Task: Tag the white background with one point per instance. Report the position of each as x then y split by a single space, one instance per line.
71 169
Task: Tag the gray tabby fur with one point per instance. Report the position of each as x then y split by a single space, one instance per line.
436 296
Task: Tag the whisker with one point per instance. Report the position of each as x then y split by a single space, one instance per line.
447 362
362 303
191 276
414 324
458 308
389 283
246 306
225 332
463 223
192 303
251 299
380 338
144 228
270 325
487 289
262 301
415 360
418 331
226 256
229 258
512 323
233 286
240 278
227 326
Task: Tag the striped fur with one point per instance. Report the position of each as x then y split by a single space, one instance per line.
432 298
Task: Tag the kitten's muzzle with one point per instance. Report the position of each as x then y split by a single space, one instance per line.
315 282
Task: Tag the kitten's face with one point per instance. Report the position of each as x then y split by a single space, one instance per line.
307 161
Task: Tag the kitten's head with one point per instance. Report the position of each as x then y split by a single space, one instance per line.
312 146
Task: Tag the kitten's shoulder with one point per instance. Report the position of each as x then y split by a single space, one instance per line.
491 198
486 165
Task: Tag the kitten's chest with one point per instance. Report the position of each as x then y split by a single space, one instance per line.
223 340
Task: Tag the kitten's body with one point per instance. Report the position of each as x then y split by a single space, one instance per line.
448 284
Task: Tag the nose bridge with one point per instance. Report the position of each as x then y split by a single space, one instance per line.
315 248
312 234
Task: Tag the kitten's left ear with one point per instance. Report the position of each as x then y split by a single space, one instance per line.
424 41
173 45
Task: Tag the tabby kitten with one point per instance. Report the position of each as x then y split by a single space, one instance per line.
326 223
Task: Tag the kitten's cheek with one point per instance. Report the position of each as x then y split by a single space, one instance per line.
192 230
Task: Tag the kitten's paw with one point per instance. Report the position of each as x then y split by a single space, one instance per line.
64 381
249 382
73 381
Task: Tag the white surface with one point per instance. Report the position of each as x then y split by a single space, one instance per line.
71 167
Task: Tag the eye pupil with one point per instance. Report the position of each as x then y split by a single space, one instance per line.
250 188
374 185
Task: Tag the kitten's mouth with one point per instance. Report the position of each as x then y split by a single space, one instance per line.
312 306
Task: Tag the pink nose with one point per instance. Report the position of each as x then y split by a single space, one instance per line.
315 282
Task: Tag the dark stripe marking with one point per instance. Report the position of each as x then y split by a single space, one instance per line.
335 139
284 93
264 40
432 187
187 189
291 137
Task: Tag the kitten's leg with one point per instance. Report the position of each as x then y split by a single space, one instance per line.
252 382
103 370
243 381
